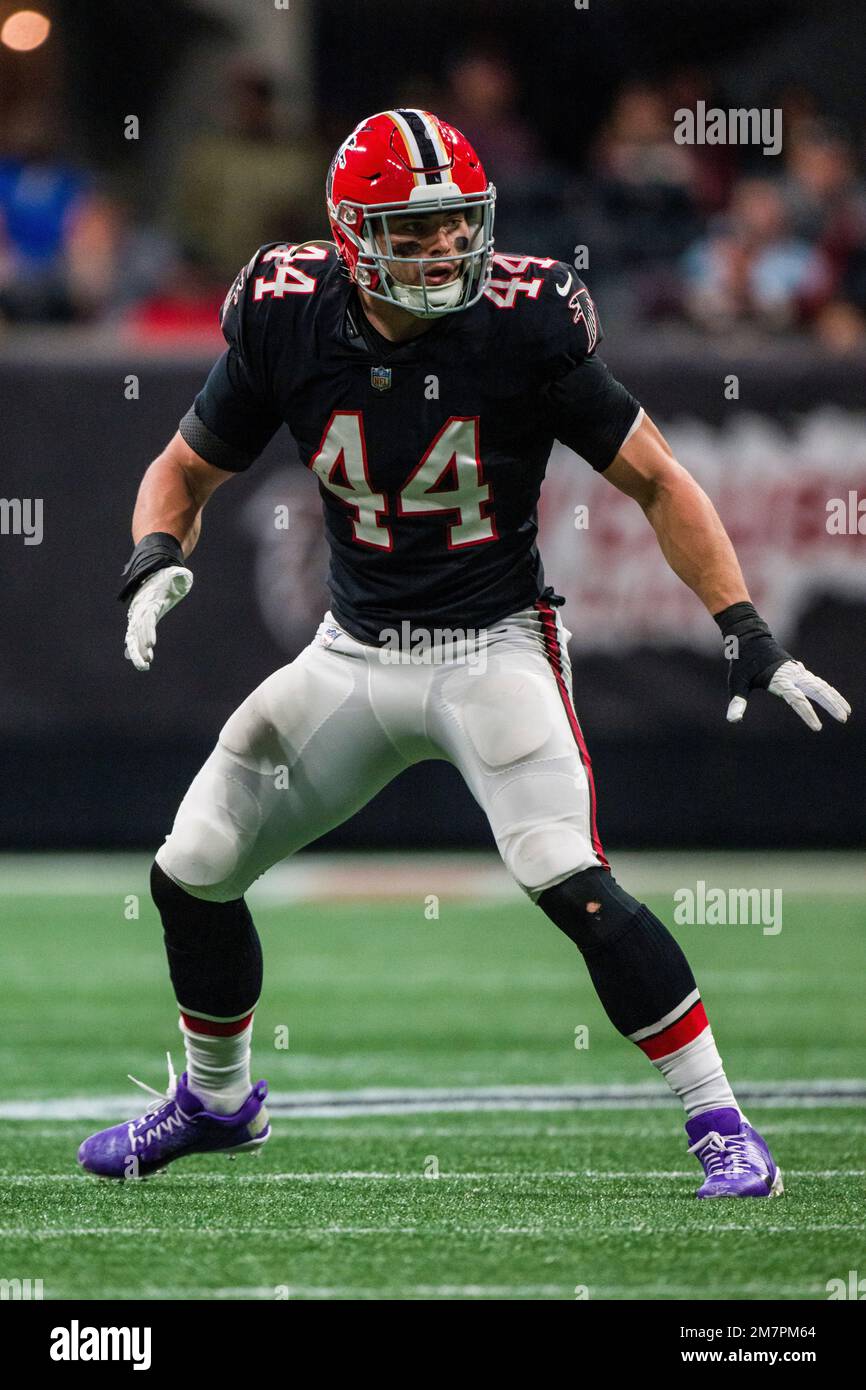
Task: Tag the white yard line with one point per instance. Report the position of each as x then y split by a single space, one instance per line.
466 1099
560 1291
535 1131
420 1290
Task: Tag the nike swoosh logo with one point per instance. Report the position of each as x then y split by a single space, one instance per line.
565 289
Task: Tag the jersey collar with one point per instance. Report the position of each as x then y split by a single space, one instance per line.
361 335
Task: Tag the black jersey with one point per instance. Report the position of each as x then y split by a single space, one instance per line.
429 454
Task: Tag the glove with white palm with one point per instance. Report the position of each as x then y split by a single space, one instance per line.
155 580
758 662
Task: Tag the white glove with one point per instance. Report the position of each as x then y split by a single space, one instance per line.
792 683
155 597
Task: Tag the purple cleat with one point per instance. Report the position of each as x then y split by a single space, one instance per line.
176 1124
735 1158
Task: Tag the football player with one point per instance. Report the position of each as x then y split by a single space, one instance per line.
424 379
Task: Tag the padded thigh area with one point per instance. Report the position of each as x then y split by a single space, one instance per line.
299 756
507 731
284 713
506 715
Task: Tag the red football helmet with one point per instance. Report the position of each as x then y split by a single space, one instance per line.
409 161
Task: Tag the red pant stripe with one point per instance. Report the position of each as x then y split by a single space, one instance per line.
554 656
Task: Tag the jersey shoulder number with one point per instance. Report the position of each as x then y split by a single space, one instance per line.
278 272
555 312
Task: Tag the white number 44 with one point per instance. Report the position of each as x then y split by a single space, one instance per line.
454 452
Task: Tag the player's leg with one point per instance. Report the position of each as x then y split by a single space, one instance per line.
300 755
512 730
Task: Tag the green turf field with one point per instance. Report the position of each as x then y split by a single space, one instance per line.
529 1203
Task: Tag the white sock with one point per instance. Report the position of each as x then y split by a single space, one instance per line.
696 1074
218 1068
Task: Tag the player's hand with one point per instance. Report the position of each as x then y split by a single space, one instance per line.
151 601
796 686
758 662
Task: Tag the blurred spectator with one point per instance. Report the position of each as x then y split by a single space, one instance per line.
799 104
43 198
639 210
112 260
646 182
482 103
185 306
531 211
249 183
753 268
840 327
69 252
714 167
821 176
826 196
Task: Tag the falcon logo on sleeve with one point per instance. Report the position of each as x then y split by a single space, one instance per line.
585 313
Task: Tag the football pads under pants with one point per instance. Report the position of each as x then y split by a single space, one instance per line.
321 736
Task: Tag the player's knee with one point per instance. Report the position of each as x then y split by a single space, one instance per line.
507 717
211 839
173 900
590 907
215 829
202 857
541 855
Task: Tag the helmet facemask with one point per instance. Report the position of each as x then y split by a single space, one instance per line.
370 232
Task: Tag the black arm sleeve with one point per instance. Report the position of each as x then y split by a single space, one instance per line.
590 411
229 425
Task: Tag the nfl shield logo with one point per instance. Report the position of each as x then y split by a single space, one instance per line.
380 378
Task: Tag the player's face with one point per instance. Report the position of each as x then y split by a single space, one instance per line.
438 235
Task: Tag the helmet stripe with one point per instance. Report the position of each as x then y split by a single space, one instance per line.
428 158
442 155
410 144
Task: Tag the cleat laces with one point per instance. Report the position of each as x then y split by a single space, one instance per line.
161 1097
723 1155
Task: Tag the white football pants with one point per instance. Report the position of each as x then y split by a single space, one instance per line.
322 735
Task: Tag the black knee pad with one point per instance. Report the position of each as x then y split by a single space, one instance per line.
590 907
213 949
637 967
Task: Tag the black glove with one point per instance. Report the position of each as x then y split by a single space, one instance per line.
758 662
756 656
154 552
